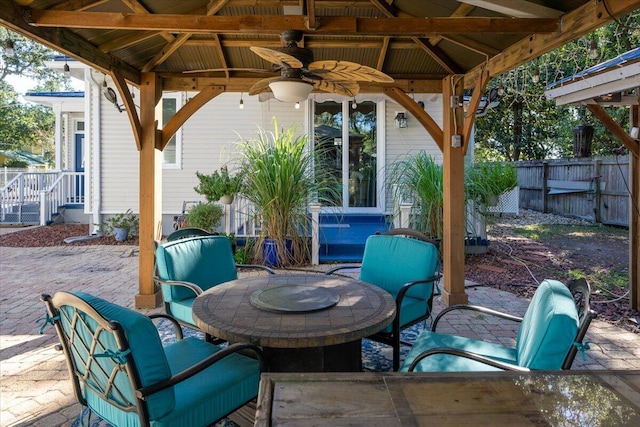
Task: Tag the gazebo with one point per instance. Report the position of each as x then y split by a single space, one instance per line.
442 46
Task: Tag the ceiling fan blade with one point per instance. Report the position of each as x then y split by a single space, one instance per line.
345 70
348 88
213 70
261 85
276 57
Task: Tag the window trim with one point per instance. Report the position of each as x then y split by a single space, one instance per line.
179 97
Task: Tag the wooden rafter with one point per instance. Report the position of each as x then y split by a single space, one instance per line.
462 10
310 12
614 128
471 44
574 24
78 5
445 62
136 7
416 27
383 53
516 8
127 40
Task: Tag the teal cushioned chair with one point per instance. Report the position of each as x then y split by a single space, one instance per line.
121 371
550 333
406 268
187 267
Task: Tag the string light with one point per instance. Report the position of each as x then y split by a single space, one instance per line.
297 106
536 75
354 104
593 49
67 70
241 104
9 49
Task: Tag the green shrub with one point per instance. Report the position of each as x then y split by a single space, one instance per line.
205 215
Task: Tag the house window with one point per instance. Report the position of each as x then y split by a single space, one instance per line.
170 104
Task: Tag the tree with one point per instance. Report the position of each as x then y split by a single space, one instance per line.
526 125
25 126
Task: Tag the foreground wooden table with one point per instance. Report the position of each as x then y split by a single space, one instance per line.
594 398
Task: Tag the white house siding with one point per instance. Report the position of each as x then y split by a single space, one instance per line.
401 143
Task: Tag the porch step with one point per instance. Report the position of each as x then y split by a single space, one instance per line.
28 213
342 237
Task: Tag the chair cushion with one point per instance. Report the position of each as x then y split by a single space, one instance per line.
213 393
206 261
148 355
182 311
549 327
392 261
411 309
428 340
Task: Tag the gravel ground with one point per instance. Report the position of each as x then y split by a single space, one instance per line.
513 262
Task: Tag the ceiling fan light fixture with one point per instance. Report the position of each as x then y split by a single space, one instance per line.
291 90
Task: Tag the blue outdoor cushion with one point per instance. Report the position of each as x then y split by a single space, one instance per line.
148 355
392 261
428 340
206 261
411 309
546 334
549 327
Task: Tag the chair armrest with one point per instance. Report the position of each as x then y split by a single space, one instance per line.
477 308
341 267
256 267
467 355
192 286
405 288
174 322
145 392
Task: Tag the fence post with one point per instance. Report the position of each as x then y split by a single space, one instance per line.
545 176
597 195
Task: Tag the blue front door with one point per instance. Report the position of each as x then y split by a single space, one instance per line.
78 182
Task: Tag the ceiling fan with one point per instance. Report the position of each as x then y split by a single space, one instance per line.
300 74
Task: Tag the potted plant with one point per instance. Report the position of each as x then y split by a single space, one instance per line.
121 224
206 216
219 185
280 183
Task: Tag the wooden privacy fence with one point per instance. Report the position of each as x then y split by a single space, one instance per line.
595 189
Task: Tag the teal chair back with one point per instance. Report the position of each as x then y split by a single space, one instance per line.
390 262
111 351
549 327
205 261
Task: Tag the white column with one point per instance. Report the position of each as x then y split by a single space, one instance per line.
57 111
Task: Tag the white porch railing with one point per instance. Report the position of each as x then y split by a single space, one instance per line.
68 188
20 197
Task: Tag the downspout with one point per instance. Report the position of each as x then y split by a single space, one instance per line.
92 120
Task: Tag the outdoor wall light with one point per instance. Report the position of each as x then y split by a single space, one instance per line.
401 119
9 50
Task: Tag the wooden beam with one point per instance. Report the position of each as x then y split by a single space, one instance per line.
614 128
78 5
472 109
383 53
166 52
310 12
187 110
576 23
439 56
64 41
516 8
130 106
150 191
634 218
138 8
470 44
453 223
418 112
461 10
275 24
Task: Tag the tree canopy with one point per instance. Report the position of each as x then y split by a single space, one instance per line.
527 126
25 126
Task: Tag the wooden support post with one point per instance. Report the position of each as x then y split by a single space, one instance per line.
150 190
545 186
453 184
634 217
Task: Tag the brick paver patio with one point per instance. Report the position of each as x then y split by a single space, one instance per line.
34 383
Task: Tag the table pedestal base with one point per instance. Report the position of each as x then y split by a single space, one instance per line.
333 358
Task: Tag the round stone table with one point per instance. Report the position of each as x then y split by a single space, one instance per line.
317 340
